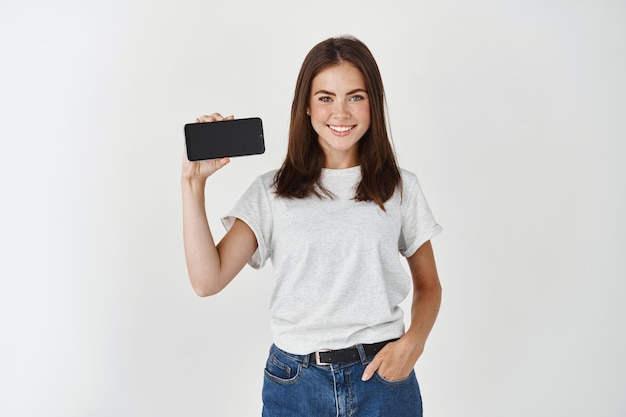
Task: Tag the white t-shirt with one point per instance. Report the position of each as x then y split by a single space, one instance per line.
338 274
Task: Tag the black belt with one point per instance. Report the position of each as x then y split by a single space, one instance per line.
327 357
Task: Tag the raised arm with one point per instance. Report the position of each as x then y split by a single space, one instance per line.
211 267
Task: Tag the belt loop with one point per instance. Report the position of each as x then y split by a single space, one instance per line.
362 355
305 361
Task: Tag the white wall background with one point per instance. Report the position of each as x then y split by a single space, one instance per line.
511 112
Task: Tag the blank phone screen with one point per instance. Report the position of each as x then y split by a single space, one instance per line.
226 138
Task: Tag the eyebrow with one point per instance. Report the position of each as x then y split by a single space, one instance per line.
330 93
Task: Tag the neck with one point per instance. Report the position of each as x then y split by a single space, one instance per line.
341 162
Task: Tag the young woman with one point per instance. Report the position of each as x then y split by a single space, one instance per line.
333 220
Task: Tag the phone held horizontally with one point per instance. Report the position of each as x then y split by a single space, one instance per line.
227 138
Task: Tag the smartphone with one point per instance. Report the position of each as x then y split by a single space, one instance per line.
215 140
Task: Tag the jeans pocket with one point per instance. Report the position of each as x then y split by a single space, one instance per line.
395 382
282 369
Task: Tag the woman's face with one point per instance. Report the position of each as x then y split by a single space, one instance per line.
340 113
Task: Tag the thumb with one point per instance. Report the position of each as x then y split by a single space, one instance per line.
220 163
371 369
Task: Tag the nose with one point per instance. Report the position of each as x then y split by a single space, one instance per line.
341 110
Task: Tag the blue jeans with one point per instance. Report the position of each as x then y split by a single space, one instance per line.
296 387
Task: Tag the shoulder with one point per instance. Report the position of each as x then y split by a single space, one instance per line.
267 178
264 181
409 179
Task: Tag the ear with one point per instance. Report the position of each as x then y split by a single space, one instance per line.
308 111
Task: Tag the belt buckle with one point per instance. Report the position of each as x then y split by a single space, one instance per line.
318 361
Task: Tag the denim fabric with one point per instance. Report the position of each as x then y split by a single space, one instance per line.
295 387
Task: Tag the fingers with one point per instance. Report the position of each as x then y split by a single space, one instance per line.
371 368
393 362
213 117
205 168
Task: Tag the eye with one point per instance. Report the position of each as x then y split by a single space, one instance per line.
325 99
357 98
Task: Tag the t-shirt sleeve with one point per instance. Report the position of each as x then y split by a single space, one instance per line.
418 222
254 209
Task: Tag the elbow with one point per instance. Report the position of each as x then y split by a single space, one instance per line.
202 288
204 292
437 289
432 288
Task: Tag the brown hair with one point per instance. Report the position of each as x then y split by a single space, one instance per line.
299 174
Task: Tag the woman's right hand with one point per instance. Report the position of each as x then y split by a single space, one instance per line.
201 170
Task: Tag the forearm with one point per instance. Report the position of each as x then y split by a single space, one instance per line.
201 255
426 298
424 311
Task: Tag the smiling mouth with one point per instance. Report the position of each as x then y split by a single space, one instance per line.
341 129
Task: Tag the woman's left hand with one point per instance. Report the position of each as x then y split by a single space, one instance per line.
395 361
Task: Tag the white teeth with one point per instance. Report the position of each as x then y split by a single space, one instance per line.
340 129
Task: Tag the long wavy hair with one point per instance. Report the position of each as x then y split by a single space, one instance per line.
299 175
